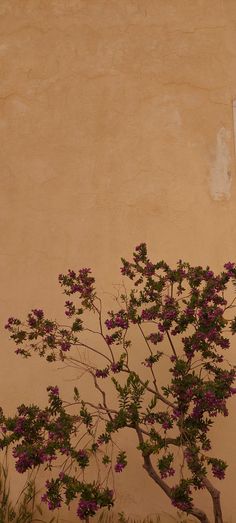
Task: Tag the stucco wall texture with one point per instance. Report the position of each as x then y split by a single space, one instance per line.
116 122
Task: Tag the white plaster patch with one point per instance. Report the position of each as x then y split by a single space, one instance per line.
220 180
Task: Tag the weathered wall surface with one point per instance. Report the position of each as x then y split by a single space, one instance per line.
116 122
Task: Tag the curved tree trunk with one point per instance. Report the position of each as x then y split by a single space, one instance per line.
215 495
199 514
194 511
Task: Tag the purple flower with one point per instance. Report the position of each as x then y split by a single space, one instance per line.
86 508
12 321
102 373
148 362
119 467
176 414
53 391
230 267
82 454
70 308
208 275
218 471
224 343
82 458
110 339
166 425
56 503
169 314
182 505
140 252
116 367
117 320
38 313
126 270
149 314
64 451
149 269
53 505
121 462
20 426
150 418
167 473
24 461
155 337
65 345
206 445
110 324
32 321
161 327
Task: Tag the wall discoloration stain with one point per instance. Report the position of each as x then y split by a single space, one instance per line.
220 180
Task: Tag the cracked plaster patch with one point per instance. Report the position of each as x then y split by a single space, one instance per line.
220 179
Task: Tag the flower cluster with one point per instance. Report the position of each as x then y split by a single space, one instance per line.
210 403
87 508
181 496
121 462
155 337
164 465
28 459
43 336
65 488
115 367
81 283
118 320
39 436
165 420
82 458
52 497
218 467
70 308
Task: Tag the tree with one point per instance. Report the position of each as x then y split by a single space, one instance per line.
181 316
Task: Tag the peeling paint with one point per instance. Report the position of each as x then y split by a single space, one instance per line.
220 180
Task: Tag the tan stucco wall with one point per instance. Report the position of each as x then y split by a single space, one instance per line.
116 124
